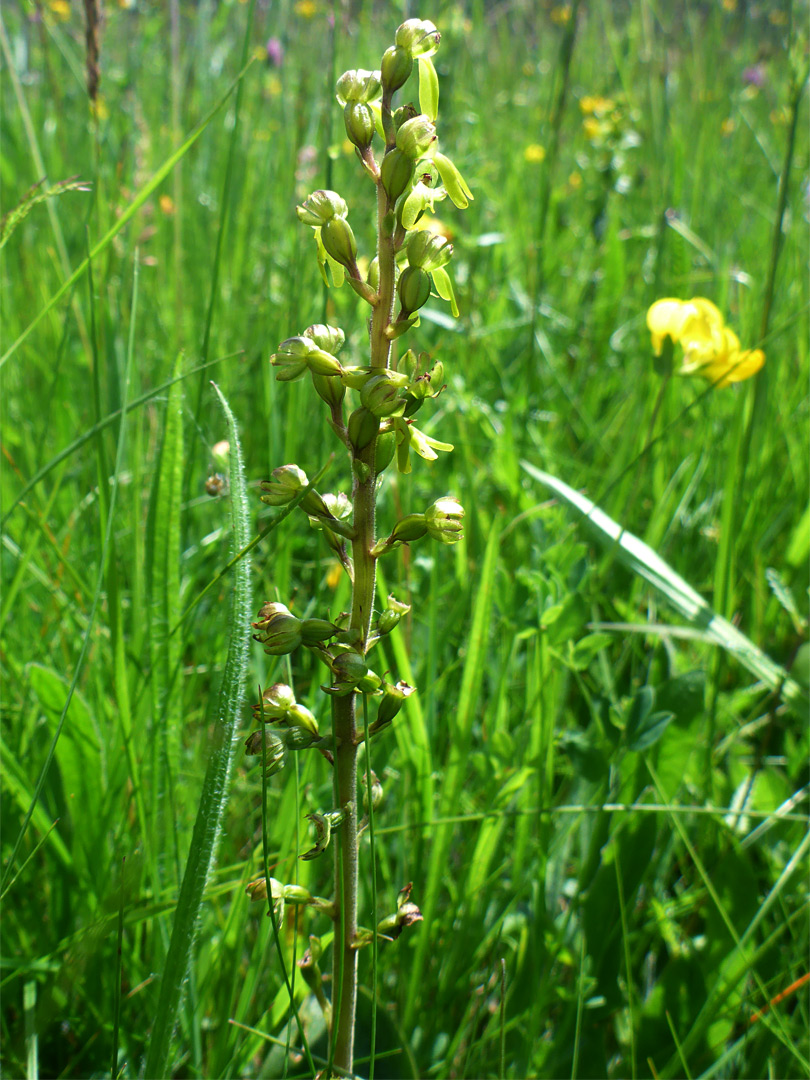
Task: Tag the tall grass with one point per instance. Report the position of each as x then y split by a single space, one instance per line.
602 811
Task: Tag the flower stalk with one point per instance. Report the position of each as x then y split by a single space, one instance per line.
371 403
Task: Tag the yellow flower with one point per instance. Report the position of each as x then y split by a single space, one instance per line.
334 574
561 14
61 9
535 152
166 203
593 127
305 8
596 105
710 349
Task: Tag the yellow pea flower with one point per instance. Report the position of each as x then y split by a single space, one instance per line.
710 349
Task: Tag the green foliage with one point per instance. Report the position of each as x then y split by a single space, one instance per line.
587 785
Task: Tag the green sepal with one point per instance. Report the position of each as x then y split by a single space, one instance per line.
454 182
376 112
384 451
403 447
338 273
428 88
424 446
444 287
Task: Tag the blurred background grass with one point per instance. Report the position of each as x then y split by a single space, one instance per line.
618 153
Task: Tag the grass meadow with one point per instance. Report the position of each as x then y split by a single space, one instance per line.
600 791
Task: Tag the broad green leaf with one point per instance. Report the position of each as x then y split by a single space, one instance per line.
564 621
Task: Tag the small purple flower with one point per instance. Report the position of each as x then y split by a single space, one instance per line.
275 52
754 75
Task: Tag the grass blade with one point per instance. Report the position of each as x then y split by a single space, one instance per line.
642 560
148 188
212 798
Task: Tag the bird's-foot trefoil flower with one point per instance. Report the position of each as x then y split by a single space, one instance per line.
710 349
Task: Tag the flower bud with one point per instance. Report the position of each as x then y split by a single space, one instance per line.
373 275
384 451
299 716
257 890
403 113
297 894
376 792
359 123
322 206
300 737
411 527
286 483
407 914
349 668
444 520
330 390
428 250
395 68
323 363
419 37
277 700
356 377
370 683
328 338
291 358
315 630
216 484
323 833
416 136
363 427
387 621
273 745
381 394
413 289
338 240
428 385
409 364
279 630
391 616
358 86
396 171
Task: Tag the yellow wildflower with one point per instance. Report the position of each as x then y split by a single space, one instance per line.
710 349
61 9
535 152
166 203
561 15
596 105
334 574
305 8
593 127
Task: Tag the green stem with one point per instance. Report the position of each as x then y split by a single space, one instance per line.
344 708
